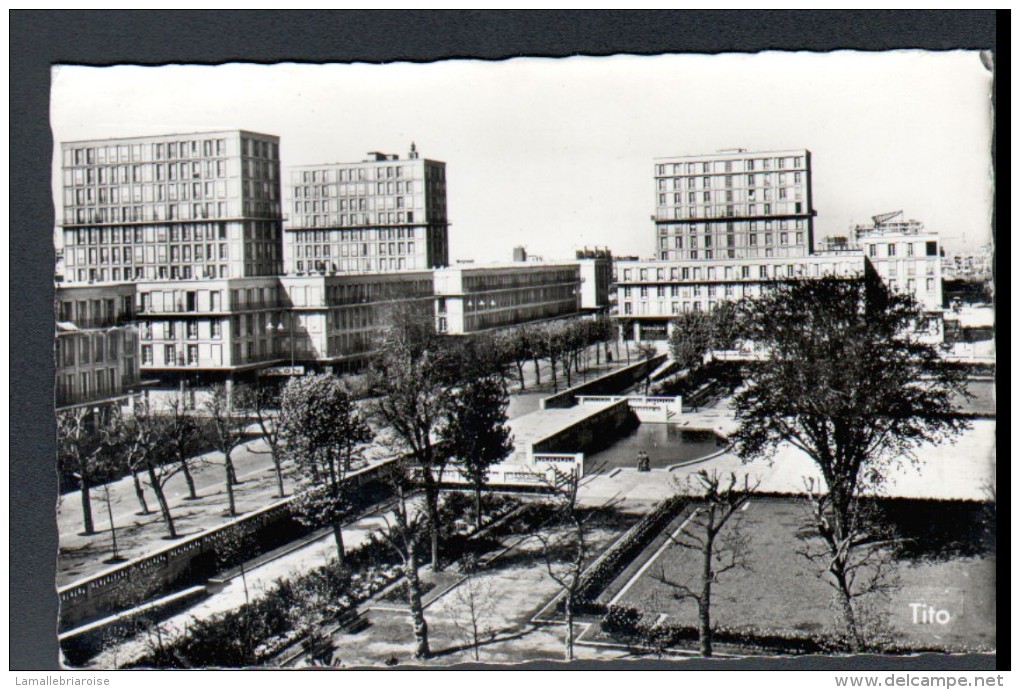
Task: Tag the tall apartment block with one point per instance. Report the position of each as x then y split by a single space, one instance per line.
173 207
383 214
734 204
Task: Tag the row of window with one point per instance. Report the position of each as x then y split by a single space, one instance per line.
333 175
166 150
729 196
95 313
161 233
730 181
709 241
730 211
358 204
731 165
355 219
328 191
95 348
481 282
171 211
732 226
884 250
697 273
93 385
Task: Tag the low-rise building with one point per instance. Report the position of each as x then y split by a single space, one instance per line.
96 345
480 298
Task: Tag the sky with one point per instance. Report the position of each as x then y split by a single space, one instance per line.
557 154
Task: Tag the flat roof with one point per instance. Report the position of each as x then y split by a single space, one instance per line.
171 135
731 153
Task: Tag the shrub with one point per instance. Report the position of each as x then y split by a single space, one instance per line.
621 619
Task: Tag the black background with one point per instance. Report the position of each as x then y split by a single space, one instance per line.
40 39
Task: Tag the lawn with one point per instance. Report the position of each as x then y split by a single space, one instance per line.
783 593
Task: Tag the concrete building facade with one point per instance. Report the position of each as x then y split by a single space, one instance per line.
172 207
470 299
383 214
96 346
734 204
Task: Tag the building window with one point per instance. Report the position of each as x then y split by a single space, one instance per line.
892 249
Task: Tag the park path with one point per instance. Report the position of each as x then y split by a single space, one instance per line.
82 556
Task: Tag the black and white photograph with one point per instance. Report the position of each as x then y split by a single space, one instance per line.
577 360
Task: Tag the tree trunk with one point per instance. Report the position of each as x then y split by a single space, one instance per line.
338 537
552 366
432 507
278 467
230 480
86 504
418 622
140 492
478 506
231 472
164 507
538 373
705 602
520 374
568 618
192 495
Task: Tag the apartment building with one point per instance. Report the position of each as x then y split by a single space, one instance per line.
171 207
96 346
907 259
650 294
734 204
470 299
383 214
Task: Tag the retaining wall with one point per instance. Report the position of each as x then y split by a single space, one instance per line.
609 384
186 562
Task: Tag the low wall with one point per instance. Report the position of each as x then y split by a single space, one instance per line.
610 384
189 561
590 432
649 409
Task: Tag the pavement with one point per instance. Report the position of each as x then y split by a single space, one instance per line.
82 556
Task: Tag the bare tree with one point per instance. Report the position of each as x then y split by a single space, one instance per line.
80 449
143 446
475 598
722 549
225 431
263 403
182 434
567 548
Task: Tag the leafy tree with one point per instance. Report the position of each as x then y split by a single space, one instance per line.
323 431
413 379
848 382
721 549
476 431
697 333
225 431
513 346
262 401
